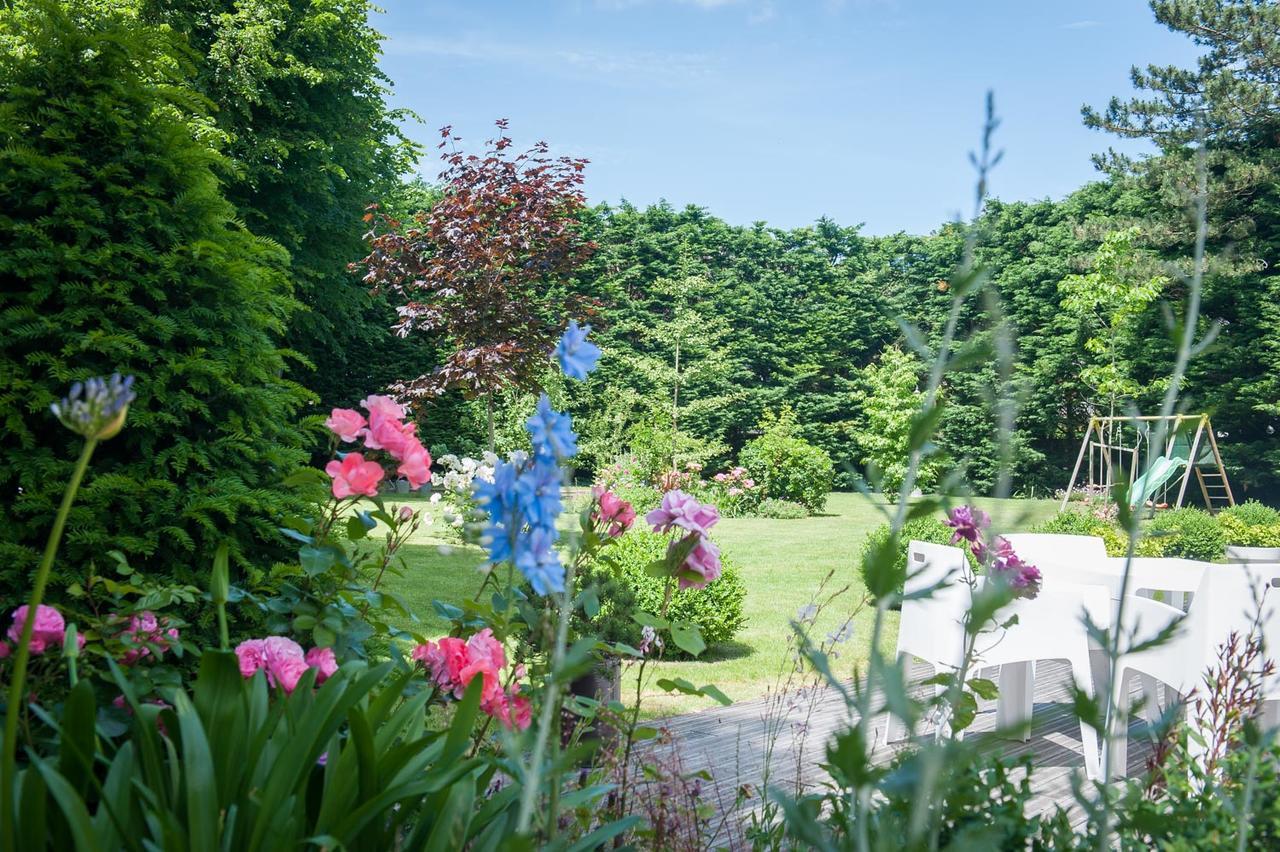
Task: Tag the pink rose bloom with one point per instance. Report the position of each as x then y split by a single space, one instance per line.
613 511
48 631
353 475
416 466
383 406
704 559
679 509
445 660
521 713
252 656
391 435
406 513
5 650
346 423
285 661
323 661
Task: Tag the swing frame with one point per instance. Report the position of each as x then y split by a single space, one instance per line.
1215 488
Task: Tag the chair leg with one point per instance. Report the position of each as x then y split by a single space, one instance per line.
1015 704
894 728
1083 675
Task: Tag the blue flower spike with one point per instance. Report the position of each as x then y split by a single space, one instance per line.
578 356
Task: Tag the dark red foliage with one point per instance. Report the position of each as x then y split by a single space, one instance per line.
487 266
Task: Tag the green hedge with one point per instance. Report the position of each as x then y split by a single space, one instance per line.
624 588
929 530
789 468
121 254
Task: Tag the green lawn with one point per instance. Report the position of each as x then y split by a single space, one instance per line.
783 564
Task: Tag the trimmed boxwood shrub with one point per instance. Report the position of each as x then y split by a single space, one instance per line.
1085 523
1188 533
930 530
788 467
624 588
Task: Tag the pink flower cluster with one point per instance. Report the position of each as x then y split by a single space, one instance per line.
384 430
614 513
283 661
453 663
681 511
736 482
144 633
970 525
49 630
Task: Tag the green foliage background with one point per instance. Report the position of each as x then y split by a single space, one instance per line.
122 254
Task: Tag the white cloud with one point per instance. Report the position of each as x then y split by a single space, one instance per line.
1081 25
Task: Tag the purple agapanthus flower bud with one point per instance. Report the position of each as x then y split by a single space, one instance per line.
97 407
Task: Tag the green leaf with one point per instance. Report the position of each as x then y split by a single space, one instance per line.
316 560
986 689
688 638
78 732
356 528
198 777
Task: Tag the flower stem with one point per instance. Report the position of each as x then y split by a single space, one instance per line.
22 656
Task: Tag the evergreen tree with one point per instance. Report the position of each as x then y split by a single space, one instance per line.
301 112
122 254
1228 108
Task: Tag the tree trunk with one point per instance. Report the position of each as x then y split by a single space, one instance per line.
489 411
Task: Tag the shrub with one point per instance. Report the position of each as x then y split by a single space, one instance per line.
627 478
1251 524
781 509
930 530
1238 532
1086 523
122 255
1188 533
625 587
735 493
1252 513
786 466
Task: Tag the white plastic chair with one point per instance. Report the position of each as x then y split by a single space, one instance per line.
1226 600
1048 628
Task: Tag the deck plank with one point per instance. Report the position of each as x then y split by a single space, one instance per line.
787 736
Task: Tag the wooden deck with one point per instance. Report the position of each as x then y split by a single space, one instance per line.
787 734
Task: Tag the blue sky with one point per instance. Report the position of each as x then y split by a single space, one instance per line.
780 110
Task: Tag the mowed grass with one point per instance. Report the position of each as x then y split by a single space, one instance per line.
783 564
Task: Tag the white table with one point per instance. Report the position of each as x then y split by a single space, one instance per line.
1170 576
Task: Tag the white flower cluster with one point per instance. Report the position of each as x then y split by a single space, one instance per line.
456 483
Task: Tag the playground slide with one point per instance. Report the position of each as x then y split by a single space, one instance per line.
1162 470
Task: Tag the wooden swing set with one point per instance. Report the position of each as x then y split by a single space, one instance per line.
1122 446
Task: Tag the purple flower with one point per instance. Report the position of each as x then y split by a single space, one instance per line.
968 523
96 408
577 355
551 432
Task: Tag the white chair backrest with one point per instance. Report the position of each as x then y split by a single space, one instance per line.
932 627
1230 598
1056 553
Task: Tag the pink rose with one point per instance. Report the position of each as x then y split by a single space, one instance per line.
48 631
323 661
416 466
704 559
252 656
679 509
391 435
353 475
383 406
285 661
614 512
521 713
346 423
445 660
406 513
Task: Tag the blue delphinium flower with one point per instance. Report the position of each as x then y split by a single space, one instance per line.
537 560
498 498
538 493
96 408
551 432
577 355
